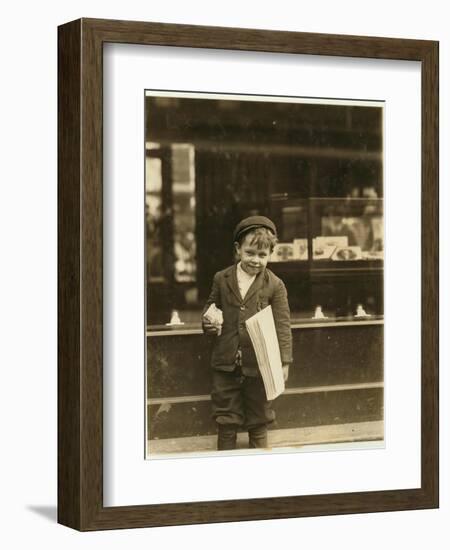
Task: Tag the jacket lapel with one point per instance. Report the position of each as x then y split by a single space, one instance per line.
256 285
231 278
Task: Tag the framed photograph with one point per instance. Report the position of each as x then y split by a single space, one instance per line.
206 175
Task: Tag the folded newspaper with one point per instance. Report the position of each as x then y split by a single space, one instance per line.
215 316
261 328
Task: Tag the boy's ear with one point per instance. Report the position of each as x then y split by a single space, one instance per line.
237 247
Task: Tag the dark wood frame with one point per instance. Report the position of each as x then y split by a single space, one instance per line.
80 265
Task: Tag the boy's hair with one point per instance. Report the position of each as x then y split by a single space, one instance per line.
260 236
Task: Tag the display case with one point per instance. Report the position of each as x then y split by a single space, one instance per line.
330 255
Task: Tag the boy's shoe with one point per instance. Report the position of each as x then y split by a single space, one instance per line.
226 437
257 437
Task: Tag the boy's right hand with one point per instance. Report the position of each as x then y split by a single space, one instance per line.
209 328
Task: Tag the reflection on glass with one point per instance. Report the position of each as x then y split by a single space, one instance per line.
183 186
291 219
170 227
348 229
315 169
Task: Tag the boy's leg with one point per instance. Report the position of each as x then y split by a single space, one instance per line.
226 437
258 412
227 407
257 437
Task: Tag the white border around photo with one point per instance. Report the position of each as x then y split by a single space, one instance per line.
128 478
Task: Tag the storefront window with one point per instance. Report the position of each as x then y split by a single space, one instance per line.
315 168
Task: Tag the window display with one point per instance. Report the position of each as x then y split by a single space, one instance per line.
315 169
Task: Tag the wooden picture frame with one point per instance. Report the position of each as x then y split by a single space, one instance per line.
80 271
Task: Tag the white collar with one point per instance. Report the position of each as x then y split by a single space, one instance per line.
243 273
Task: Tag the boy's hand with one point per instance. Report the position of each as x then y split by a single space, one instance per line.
209 328
285 372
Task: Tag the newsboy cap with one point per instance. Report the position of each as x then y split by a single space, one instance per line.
253 222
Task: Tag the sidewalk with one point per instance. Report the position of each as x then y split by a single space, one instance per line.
286 438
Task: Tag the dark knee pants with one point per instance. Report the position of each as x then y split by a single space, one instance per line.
240 401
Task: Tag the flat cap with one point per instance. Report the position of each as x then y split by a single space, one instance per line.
253 222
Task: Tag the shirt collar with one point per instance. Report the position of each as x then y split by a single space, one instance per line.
244 274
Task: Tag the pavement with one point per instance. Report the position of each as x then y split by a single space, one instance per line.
311 438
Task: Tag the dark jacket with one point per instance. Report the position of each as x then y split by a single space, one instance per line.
266 289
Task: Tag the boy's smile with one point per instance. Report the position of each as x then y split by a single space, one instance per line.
253 259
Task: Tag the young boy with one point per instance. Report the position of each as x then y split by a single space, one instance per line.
238 394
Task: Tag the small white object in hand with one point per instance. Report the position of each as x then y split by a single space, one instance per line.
215 316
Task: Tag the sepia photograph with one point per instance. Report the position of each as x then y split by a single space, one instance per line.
264 254
233 207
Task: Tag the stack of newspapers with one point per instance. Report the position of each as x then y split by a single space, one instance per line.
261 328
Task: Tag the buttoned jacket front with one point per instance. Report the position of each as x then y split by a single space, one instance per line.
266 289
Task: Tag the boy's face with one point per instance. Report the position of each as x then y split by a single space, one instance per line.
253 259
